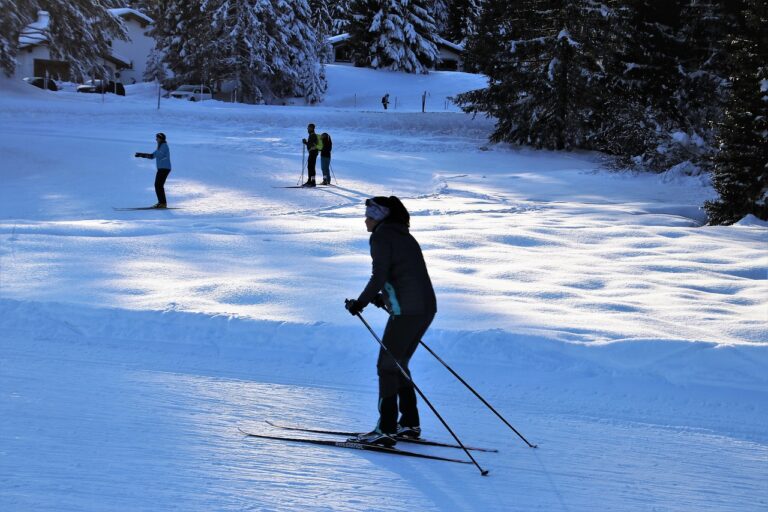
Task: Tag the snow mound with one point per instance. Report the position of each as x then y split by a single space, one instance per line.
750 220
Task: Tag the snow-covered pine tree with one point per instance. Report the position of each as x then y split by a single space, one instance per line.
245 48
14 16
322 23
358 25
646 84
155 69
303 73
461 20
393 34
490 44
80 33
438 10
184 33
740 173
544 62
702 92
269 48
341 14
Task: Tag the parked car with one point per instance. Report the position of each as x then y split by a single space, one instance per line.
42 83
192 93
102 86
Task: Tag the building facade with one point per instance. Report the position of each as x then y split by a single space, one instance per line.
126 61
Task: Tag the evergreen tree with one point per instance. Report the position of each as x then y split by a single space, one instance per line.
741 164
185 35
322 24
79 33
393 34
438 10
340 11
361 12
301 71
546 77
490 44
155 69
646 84
246 48
461 20
703 88
14 16
268 47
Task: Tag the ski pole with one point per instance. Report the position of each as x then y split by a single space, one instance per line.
301 178
330 166
477 395
483 472
473 391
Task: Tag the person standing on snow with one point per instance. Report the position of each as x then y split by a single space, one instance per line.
162 157
313 146
385 101
325 157
399 283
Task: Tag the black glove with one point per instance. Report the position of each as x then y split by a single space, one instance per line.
304 141
353 307
143 155
378 301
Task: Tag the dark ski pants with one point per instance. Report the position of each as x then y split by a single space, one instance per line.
401 337
160 177
325 166
311 164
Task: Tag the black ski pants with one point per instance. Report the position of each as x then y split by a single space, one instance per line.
401 337
160 177
311 164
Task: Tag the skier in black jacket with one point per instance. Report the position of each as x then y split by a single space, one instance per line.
399 283
312 142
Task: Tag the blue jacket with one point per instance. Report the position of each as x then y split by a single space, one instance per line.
162 156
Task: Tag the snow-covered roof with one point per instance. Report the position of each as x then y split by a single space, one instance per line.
36 32
124 12
453 46
438 40
118 59
339 38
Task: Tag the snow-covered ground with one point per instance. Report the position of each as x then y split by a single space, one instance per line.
592 308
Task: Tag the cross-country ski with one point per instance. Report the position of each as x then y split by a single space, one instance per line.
316 187
133 208
355 446
425 442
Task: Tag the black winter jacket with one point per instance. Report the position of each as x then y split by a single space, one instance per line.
327 148
399 272
312 142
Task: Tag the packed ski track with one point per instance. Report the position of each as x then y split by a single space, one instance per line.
592 308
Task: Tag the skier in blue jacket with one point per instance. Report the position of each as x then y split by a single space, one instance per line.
162 157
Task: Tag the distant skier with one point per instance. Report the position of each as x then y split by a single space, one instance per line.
313 146
325 157
399 283
385 101
162 157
